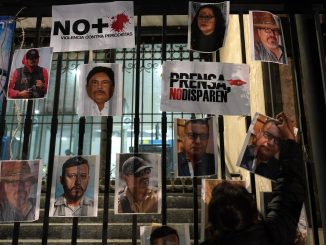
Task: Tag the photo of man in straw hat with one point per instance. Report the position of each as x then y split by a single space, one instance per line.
17 200
268 39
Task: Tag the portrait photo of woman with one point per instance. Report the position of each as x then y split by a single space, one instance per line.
207 26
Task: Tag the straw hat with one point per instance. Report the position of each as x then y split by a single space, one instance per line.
17 170
264 20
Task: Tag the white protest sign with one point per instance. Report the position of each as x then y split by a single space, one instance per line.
205 87
92 26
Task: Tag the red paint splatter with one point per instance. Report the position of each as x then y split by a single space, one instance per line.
119 22
236 82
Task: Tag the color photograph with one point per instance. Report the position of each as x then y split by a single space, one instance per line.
138 188
29 75
207 26
195 149
267 39
261 148
20 190
100 90
74 191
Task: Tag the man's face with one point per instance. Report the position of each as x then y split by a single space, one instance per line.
32 61
268 141
206 21
195 140
17 192
100 88
138 184
167 240
269 37
75 181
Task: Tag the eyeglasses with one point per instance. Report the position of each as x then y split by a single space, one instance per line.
205 17
143 172
270 31
194 136
271 137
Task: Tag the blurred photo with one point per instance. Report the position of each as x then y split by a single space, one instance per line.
20 189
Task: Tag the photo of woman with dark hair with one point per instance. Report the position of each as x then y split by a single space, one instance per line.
208 26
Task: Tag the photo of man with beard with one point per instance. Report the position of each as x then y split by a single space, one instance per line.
77 173
138 186
268 42
20 188
261 154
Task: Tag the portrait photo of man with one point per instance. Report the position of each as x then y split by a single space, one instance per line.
267 35
261 149
174 234
207 26
31 80
195 148
75 187
139 184
20 189
100 90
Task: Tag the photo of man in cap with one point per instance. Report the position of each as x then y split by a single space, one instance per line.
138 191
267 33
31 80
19 190
99 90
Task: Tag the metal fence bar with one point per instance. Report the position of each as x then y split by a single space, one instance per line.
54 129
164 132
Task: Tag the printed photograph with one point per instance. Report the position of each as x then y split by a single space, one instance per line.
267 39
208 186
195 147
176 234
261 149
138 188
74 191
29 74
207 26
100 90
20 190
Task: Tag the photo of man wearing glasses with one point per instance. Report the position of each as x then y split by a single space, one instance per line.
194 156
268 38
261 154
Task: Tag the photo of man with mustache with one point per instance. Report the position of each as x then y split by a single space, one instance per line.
268 38
100 89
75 177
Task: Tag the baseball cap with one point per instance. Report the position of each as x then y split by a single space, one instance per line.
32 53
134 165
16 170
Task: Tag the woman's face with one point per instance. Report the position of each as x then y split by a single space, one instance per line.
206 21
